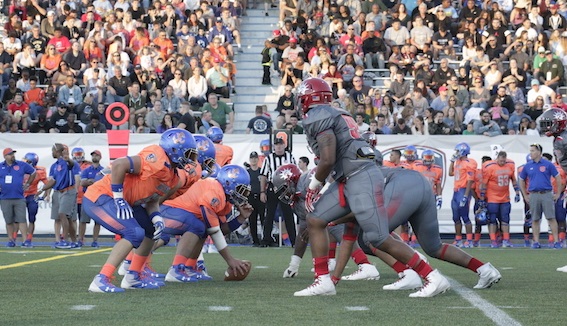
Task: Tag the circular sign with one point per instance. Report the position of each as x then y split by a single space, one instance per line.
117 114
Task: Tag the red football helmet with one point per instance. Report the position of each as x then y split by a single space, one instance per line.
553 122
370 138
285 182
313 91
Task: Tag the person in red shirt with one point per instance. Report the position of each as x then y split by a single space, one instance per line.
126 202
61 42
19 112
463 169
497 175
29 193
34 98
558 103
202 210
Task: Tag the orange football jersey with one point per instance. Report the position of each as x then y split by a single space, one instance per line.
465 171
40 175
497 180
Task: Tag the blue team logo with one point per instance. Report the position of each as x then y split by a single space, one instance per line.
215 202
178 138
233 173
440 157
203 145
151 158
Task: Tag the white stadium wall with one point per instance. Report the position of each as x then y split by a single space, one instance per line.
516 146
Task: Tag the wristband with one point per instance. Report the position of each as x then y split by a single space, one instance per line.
482 195
516 188
234 224
155 216
117 190
314 183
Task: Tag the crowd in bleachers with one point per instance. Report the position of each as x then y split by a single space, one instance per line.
437 67
63 62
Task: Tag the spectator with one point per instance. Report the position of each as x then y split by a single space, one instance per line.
95 126
400 88
179 85
359 92
294 126
259 124
139 126
537 90
443 73
197 89
401 128
49 63
459 91
34 98
439 127
551 73
558 103
478 94
382 124
217 79
397 34
18 111
42 125
70 93
441 101
187 120
76 60
71 127
285 107
516 117
453 117
155 116
117 87
418 127
206 122
219 110
166 123
485 126
136 103
443 43
59 41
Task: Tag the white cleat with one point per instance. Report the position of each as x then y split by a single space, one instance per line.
562 269
290 272
322 286
212 249
365 272
434 285
135 280
488 276
124 267
408 280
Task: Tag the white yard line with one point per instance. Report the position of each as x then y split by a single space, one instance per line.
498 316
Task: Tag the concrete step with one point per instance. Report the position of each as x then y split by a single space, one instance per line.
249 65
272 12
258 90
254 82
264 99
262 32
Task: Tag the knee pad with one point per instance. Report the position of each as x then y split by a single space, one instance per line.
165 238
134 235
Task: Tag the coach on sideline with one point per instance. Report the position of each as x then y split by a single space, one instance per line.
539 194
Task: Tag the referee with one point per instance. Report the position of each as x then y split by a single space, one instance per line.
272 162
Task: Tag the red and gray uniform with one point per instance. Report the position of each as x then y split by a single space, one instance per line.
408 197
359 182
560 149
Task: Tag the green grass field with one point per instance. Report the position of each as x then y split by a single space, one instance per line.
54 292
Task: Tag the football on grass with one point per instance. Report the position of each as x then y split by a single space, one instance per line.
229 274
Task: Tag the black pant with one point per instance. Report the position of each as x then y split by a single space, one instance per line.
266 77
272 205
259 210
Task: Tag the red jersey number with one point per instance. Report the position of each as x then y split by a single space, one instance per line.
352 126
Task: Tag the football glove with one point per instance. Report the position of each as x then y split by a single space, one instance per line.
517 198
311 198
123 209
438 202
158 226
455 157
463 202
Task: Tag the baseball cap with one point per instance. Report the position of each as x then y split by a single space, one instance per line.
547 52
442 88
219 19
97 152
217 60
555 6
293 40
541 49
62 105
278 141
138 67
51 13
277 32
8 151
253 154
535 82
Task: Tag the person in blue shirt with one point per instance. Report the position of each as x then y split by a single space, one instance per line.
88 177
64 179
12 199
539 193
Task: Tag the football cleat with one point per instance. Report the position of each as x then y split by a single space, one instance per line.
80 244
10 244
536 245
94 244
177 274
562 269
434 285
124 267
493 244
75 245
196 274
323 285
458 243
557 245
27 244
102 284
290 272
527 243
135 280
408 280
476 244
506 244
467 244
149 271
488 276
365 272
63 245
201 268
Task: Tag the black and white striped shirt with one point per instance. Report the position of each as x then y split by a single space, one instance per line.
273 162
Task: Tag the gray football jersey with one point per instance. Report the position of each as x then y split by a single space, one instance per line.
323 118
302 184
560 149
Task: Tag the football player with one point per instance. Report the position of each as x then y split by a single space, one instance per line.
202 210
78 155
29 193
433 173
358 188
463 169
116 202
477 208
87 179
224 153
408 197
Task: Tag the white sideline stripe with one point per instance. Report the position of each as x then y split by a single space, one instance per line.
262 267
498 316
83 307
506 268
220 308
357 308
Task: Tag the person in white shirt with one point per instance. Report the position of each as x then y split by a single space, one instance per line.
178 84
197 88
540 90
362 126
